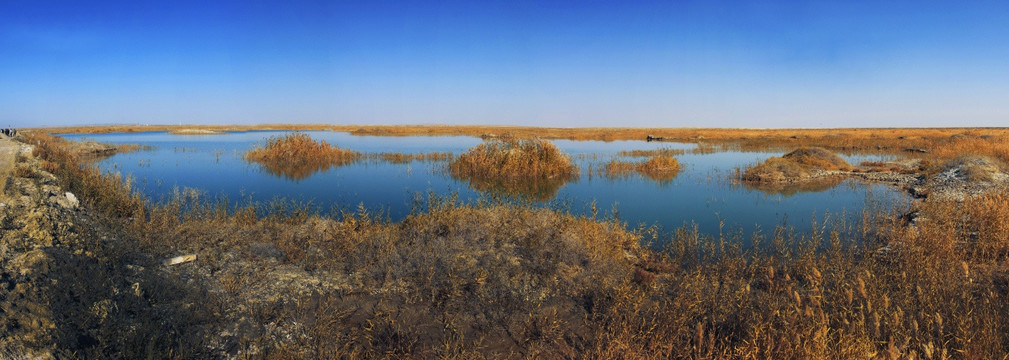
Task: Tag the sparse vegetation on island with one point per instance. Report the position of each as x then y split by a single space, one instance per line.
802 164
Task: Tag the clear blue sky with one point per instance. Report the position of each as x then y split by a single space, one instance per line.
577 63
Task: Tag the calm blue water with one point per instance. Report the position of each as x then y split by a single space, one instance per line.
702 193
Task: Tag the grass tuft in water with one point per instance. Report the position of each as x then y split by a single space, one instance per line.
298 156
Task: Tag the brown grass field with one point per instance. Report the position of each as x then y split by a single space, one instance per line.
496 280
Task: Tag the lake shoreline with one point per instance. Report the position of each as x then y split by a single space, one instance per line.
484 280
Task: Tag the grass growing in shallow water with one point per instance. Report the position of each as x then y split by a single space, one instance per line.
298 156
661 168
507 166
500 281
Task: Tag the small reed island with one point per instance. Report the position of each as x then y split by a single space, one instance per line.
660 168
298 156
508 166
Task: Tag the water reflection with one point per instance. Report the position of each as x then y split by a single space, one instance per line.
296 171
537 189
794 188
703 192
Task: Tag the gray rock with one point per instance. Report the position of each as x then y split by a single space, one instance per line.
68 201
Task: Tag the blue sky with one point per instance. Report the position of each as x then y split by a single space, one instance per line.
577 63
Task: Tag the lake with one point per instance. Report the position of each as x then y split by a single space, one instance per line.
703 193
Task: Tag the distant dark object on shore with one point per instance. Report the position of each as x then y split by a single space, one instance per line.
11 132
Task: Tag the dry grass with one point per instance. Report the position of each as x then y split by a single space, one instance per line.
298 156
794 166
847 140
660 168
514 158
196 132
506 281
509 166
975 168
654 152
619 168
401 158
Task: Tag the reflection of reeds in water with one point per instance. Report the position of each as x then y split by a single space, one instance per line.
297 156
653 152
530 168
660 168
402 158
792 188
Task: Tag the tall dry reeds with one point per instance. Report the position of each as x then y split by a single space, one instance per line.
661 168
510 166
298 156
499 280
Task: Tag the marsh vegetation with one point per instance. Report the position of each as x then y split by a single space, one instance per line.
512 167
493 279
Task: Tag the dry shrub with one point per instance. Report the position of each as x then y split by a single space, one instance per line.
297 156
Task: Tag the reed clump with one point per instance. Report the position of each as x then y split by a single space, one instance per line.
660 168
298 156
513 166
513 158
798 165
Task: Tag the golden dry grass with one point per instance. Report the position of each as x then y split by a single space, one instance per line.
514 158
797 165
515 167
298 156
505 281
847 140
654 152
401 158
660 168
